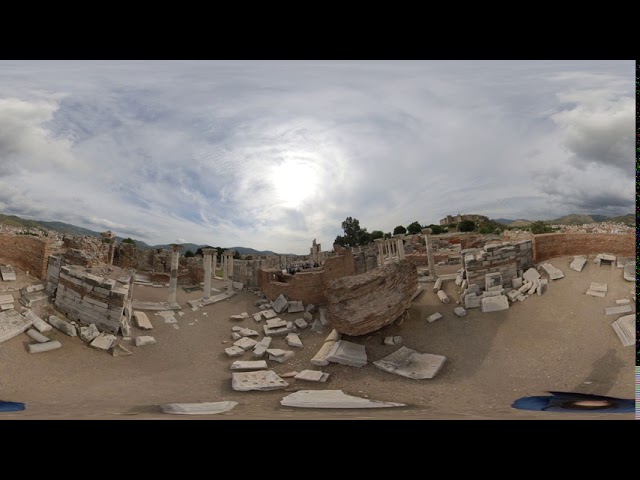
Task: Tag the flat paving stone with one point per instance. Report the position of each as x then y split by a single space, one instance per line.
294 341
268 314
625 328
598 287
244 366
245 343
617 310
234 351
411 364
332 399
295 306
263 380
104 341
300 323
203 408
553 272
495 304
142 321
12 324
348 353
629 272
312 376
578 263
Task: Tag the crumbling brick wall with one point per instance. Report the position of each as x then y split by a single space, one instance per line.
306 286
86 250
417 258
504 259
26 252
365 261
128 255
246 271
550 245
90 299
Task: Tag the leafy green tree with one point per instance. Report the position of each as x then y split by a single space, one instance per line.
129 240
540 227
466 226
399 229
387 235
376 234
189 254
436 229
199 252
236 255
339 240
353 233
414 228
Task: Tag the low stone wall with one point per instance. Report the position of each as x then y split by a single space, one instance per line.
504 259
89 298
551 245
307 287
26 252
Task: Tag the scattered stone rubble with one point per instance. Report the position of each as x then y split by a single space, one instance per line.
332 399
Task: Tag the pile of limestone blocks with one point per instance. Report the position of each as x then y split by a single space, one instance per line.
90 299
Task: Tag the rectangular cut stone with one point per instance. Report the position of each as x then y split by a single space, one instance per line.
312 376
492 280
553 272
234 351
331 399
578 263
434 317
472 301
411 364
278 332
263 380
495 304
276 323
63 326
348 353
143 340
38 323
142 320
245 343
268 314
300 323
295 306
245 366
617 310
624 301
6 299
492 294
294 341
596 293
598 287
104 341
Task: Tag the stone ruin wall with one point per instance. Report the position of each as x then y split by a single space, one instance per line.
89 298
246 271
85 251
307 287
507 260
26 252
128 255
551 245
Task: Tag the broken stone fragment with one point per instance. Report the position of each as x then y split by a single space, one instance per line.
236 336
204 408
245 343
531 275
104 341
334 336
300 323
119 350
62 325
295 306
578 263
249 365
320 358
495 304
348 353
247 332
37 336
434 317
234 351
142 320
44 347
293 340
89 333
308 316
144 340
280 304
397 340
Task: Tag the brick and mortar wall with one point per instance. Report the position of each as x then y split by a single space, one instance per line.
551 245
26 252
504 259
90 299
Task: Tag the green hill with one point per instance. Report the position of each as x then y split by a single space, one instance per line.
573 219
629 219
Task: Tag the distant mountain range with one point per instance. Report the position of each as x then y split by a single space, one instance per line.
68 229
573 219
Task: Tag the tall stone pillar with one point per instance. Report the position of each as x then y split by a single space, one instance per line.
228 269
173 280
379 242
208 252
400 245
432 265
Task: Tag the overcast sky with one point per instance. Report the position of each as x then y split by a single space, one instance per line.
271 154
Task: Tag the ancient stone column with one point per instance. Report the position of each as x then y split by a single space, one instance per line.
380 242
399 245
432 265
173 280
207 252
228 269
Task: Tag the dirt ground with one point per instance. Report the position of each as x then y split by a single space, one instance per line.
559 341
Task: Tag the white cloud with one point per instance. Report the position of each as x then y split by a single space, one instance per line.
270 155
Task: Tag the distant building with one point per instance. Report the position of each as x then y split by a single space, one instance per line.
459 218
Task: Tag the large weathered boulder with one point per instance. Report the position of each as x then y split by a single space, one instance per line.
361 304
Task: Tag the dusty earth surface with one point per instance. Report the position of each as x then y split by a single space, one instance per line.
559 341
